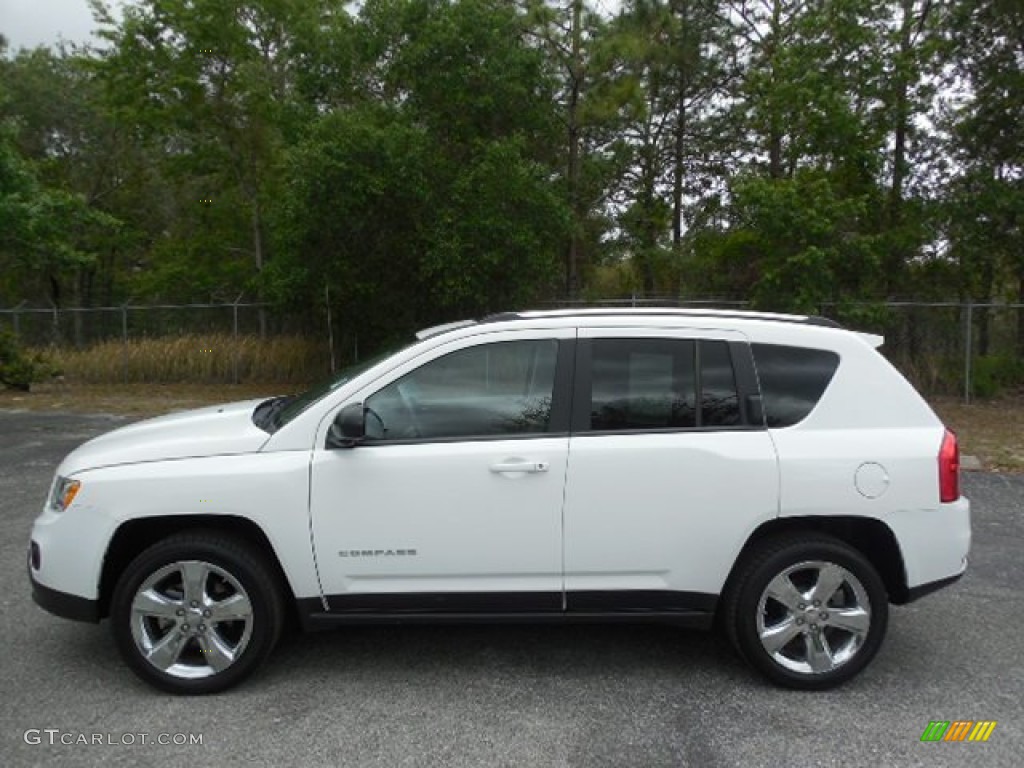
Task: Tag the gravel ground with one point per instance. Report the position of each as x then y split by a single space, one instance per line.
539 696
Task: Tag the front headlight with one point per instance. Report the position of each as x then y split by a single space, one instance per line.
64 491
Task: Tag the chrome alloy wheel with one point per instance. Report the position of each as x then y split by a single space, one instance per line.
813 617
191 619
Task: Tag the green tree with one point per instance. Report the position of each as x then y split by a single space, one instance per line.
795 243
71 150
986 200
806 124
914 53
666 77
582 53
44 232
431 198
221 89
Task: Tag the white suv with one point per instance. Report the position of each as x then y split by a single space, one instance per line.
770 471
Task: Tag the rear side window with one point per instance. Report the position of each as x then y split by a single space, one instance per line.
793 380
640 384
719 402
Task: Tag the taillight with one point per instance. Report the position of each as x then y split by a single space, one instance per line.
949 469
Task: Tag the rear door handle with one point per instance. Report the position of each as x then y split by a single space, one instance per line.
532 467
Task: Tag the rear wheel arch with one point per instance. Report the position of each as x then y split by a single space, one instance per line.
869 536
805 609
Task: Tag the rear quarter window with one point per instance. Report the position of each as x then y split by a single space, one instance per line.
793 380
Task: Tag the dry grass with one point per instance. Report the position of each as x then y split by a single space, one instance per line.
141 400
208 359
992 430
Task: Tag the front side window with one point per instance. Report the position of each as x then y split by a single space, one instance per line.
490 390
642 384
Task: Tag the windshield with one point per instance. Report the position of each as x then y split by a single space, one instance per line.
274 413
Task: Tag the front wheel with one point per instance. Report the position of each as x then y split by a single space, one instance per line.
196 613
808 612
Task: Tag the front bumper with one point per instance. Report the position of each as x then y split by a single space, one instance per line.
69 548
62 604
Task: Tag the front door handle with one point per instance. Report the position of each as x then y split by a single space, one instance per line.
518 465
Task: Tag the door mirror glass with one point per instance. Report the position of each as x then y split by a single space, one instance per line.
348 428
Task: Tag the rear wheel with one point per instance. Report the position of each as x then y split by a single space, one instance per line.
196 613
808 612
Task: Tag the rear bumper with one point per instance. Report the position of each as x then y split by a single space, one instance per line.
916 593
934 543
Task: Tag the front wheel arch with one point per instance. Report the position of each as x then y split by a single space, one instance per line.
134 536
195 593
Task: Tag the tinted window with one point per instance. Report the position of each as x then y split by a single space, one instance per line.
642 384
491 389
650 384
719 402
793 379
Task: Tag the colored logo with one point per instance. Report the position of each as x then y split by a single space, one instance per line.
958 730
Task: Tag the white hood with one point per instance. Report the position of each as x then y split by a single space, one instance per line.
213 431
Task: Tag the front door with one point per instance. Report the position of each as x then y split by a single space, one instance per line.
453 502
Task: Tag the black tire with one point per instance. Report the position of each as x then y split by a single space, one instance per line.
234 572
796 559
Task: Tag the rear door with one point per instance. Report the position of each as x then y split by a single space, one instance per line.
668 470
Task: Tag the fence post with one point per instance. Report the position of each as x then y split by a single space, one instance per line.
969 327
124 343
330 325
56 325
234 343
16 319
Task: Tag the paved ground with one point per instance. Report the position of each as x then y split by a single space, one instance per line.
524 696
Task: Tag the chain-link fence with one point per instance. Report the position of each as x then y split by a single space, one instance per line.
52 326
945 348
963 349
967 349
203 343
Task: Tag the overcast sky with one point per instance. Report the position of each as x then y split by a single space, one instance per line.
28 23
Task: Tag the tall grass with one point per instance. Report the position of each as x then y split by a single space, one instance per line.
207 359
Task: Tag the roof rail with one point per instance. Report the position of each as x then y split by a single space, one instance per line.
434 330
730 314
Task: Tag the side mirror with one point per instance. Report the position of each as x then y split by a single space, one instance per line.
349 427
